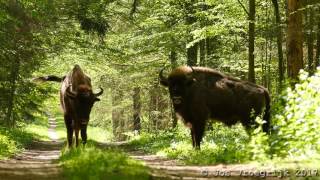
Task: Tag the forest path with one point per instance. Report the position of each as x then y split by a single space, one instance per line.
164 168
37 162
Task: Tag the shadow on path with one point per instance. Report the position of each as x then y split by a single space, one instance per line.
164 168
37 162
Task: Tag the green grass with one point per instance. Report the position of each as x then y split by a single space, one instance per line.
39 127
93 163
60 129
13 141
221 145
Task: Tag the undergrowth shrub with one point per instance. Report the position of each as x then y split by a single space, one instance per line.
221 144
297 125
13 141
93 163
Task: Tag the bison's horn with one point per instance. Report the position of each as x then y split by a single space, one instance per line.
191 68
70 93
99 93
163 80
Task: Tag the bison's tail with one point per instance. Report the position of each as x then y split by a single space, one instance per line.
48 78
266 117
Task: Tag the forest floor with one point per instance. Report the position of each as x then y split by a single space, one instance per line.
40 161
37 162
164 168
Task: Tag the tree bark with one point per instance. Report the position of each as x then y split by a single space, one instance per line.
252 14
202 50
173 60
117 113
310 39
192 53
294 40
190 19
11 96
279 43
153 108
317 60
136 109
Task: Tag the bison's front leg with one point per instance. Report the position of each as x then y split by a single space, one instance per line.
199 132
193 136
84 134
77 136
68 123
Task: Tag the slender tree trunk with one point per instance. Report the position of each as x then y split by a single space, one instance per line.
153 108
117 115
163 118
252 14
11 97
202 50
294 40
190 19
173 59
310 39
136 109
317 60
279 43
192 53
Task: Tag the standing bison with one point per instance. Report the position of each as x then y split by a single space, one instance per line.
200 93
77 99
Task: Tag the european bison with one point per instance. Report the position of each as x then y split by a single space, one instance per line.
77 99
200 93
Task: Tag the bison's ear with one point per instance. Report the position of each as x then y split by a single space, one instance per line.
96 99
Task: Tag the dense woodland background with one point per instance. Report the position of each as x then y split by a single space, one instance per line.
123 44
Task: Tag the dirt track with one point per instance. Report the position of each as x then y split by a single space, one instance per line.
37 162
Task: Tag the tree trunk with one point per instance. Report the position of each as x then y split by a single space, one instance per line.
192 55
252 14
294 40
279 43
153 108
310 39
173 60
190 19
202 49
136 109
11 97
317 60
117 115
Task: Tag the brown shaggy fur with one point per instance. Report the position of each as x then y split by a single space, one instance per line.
77 99
200 93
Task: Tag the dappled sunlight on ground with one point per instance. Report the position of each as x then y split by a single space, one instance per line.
37 162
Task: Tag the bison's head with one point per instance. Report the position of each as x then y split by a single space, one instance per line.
178 82
84 99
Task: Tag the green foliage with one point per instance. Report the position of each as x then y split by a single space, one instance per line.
13 141
297 124
220 145
93 163
39 127
259 145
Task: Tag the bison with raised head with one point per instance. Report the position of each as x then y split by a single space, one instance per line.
200 93
77 99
